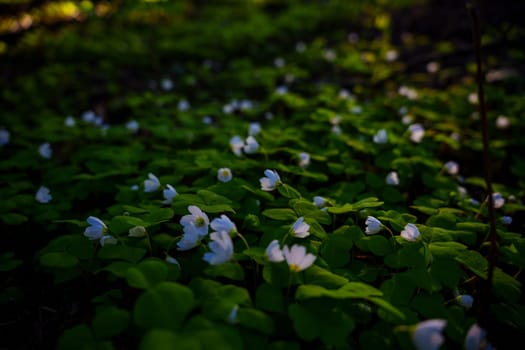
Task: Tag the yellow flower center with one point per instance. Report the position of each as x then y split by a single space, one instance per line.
294 268
225 173
200 222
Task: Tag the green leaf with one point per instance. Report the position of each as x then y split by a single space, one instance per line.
147 274
379 245
13 218
336 249
450 249
121 224
262 194
82 335
229 270
304 322
474 261
110 321
284 214
158 215
370 202
118 268
307 209
288 191
120 252
8 263
163 339
60 260
322 277
164 306
506 286
256 320
269 298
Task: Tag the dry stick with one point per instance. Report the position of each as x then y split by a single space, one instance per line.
484 303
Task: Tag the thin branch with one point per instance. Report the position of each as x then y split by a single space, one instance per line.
484 303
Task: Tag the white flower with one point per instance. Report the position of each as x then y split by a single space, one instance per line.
166 84
236 144
221 248
245 105
151 184
183 105
132 126
196 222
251 145
300 47
271 181
356 110
407 119
474 202
137 231
42 195
223 224
281 90
506 220
96 229
353 38
452 167
502 122
304 159
336 129
169 193
417 132
391 55
274 252
428 334
408 92
69 122
5 136
392 179
268 115
462 191
45 150
134 187
107 240
410 233
224 174
279 62
254 128
227 108
300 228
329 55
319 201
189 239
473 98
343 94
373 225
335 120
465 300
88 117
432 67
477 339
297 258
381 137
497 200
232 316
207 120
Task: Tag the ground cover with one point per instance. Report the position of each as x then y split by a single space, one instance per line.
266 174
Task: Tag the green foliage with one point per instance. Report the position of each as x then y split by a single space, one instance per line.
313 88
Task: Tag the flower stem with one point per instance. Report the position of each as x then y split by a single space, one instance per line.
243 240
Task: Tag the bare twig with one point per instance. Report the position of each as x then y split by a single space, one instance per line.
484 304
